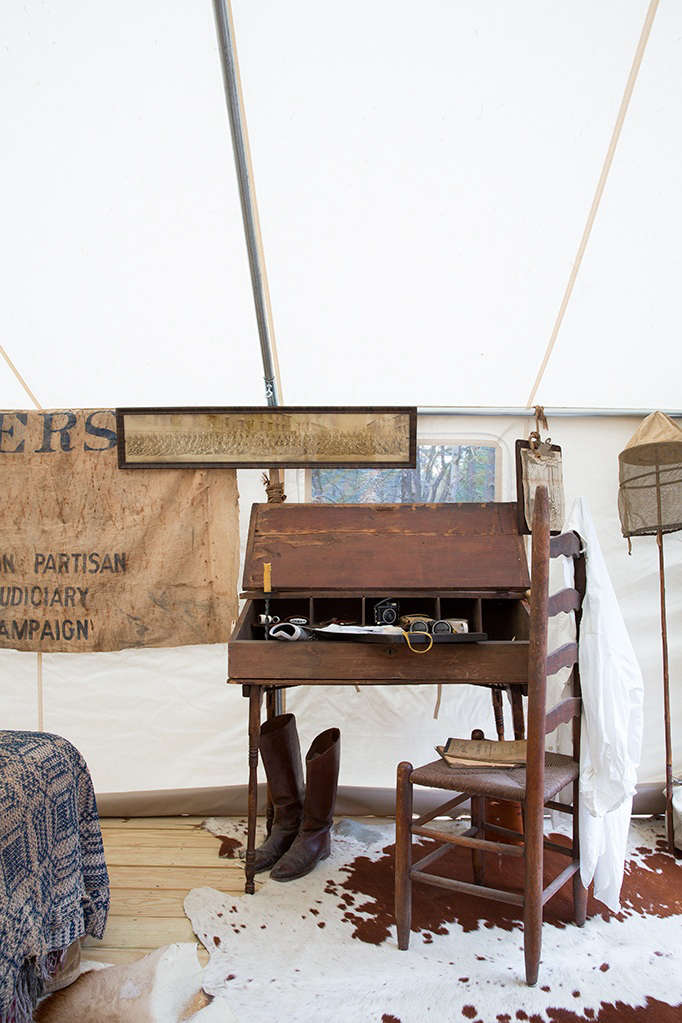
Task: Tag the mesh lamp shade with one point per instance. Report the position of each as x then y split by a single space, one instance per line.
650 490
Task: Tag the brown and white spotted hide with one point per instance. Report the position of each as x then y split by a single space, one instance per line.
324 947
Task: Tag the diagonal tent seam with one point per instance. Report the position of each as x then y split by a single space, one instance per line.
19 377
601 184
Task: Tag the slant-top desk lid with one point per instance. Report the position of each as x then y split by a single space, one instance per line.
386 548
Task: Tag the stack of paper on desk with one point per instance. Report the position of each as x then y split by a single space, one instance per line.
362 630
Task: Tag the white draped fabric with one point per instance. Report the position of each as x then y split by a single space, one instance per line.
613 694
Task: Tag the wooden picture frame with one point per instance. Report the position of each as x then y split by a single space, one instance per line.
248 437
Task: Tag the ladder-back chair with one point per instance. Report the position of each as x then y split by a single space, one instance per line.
534 786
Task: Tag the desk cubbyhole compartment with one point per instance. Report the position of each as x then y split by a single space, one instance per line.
421 605
462 607
505 619
282 607
348 610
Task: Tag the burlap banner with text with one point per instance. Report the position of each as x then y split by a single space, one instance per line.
93 557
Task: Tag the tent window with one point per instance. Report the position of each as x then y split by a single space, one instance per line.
445 472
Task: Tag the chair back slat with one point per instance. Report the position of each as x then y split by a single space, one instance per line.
564 600
563 657
540 664
562 713
568 544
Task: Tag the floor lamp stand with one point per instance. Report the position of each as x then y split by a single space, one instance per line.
666 705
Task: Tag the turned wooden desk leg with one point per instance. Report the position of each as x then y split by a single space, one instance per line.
255 696
516 700
477 825
271 711
498 712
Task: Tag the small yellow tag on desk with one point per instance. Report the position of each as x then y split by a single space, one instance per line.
267 577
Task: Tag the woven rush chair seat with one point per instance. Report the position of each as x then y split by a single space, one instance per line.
496 783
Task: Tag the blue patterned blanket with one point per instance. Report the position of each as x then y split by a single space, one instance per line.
54 886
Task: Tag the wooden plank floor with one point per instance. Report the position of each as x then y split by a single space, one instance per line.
153 862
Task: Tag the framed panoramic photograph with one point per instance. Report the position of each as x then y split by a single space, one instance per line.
287 437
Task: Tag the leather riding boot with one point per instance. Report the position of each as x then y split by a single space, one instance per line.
281 753
312 843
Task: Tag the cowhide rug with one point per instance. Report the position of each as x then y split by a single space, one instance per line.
324 949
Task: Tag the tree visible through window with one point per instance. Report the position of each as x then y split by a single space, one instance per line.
444 472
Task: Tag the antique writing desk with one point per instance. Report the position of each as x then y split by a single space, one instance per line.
336 561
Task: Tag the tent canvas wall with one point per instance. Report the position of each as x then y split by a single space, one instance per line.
165 720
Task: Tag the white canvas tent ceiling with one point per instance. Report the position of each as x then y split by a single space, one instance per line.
423 176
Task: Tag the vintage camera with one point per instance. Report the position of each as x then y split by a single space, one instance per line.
441 627
416 623
386 612
449 625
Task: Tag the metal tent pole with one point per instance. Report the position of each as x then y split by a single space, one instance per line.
254 247
247 196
